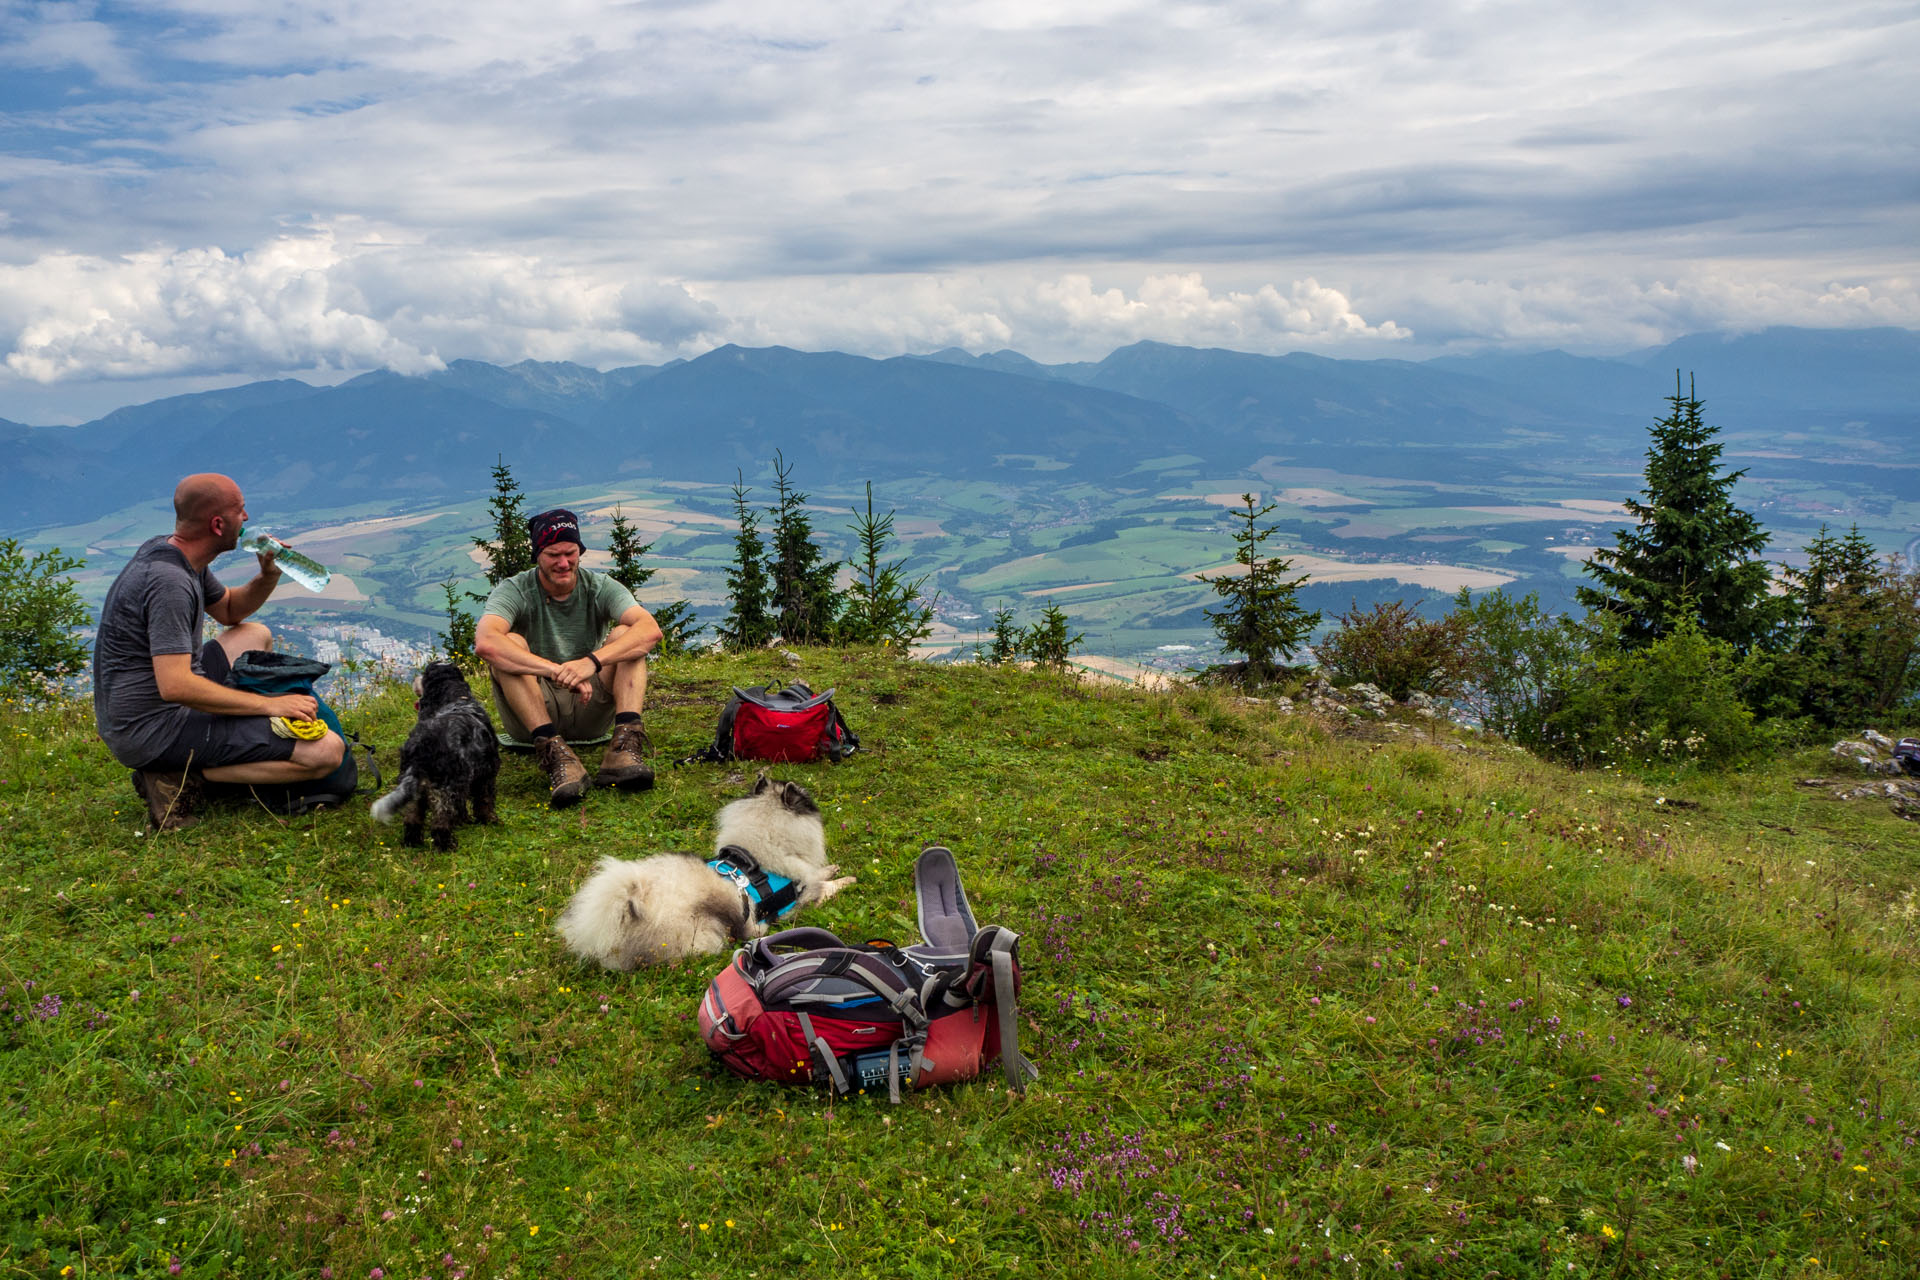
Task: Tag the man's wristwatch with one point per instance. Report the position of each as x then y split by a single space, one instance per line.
594 658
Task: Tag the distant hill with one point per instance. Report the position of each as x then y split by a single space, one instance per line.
842 417
848 417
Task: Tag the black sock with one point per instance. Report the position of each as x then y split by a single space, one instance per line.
627 717
544 732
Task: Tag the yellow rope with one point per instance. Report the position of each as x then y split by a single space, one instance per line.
304 730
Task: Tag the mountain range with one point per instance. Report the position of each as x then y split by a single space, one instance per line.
383 438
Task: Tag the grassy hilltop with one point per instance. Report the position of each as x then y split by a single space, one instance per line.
1305 1000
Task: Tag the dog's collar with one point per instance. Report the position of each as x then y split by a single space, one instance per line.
770 897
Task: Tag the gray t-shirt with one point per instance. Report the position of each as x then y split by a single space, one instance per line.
565 631
152 608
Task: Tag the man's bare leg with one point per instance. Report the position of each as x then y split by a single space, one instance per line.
566 777
314 759
627 681
242 636
522 692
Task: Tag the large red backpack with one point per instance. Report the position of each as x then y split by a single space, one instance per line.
803 1007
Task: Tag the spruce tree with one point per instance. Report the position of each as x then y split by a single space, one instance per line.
1262 618
456 642
1006 637
1693 553
749 622
678 626
1854 655
1047 641
806 607
882 603
510 551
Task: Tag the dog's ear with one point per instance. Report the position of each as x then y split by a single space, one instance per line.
794 799
761 784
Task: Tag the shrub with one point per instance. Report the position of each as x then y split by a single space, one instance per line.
39 610
1396 649
1676 701
1519 662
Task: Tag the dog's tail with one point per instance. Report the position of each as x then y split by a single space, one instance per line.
387 807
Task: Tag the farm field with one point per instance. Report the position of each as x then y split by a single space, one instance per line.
1120 558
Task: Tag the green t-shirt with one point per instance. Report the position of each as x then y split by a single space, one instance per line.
560 631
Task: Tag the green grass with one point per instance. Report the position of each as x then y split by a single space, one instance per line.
1302 1001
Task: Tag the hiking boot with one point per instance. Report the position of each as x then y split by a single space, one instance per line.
566 776
625 765
170 797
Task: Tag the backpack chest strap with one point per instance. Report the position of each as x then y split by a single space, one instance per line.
769 896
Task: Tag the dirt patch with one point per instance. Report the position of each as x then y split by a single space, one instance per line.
1316 498
1078 586
310 538
1438 577
1573 509
1120 671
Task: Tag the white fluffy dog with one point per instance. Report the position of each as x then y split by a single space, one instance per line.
671 905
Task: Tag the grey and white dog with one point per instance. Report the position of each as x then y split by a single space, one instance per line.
669 905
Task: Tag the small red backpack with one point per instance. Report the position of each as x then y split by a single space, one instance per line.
792 724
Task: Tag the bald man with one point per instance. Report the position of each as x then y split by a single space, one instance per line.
160 700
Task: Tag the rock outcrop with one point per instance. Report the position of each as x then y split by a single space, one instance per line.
1875 753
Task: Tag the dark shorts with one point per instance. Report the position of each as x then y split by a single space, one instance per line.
206 741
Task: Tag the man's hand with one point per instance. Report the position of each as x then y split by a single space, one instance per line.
269 566
576 676
294 706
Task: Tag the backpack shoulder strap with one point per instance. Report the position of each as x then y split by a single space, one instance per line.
1000 944
947 926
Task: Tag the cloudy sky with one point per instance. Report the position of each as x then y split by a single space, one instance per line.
205 192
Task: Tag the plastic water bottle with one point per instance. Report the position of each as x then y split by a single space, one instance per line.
302 568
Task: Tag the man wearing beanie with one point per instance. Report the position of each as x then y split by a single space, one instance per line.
568 650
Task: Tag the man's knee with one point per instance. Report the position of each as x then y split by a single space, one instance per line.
322 756
243 636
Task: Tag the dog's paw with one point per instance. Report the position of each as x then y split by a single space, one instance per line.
832 887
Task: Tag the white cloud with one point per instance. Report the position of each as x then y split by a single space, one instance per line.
625 183
1640 304
321 302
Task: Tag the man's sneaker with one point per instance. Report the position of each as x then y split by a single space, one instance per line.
566 776
170 797
625 764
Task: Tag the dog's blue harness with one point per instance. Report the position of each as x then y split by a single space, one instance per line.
770 896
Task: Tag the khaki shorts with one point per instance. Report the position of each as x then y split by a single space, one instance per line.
577 720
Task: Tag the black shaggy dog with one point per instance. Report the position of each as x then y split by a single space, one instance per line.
451 757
